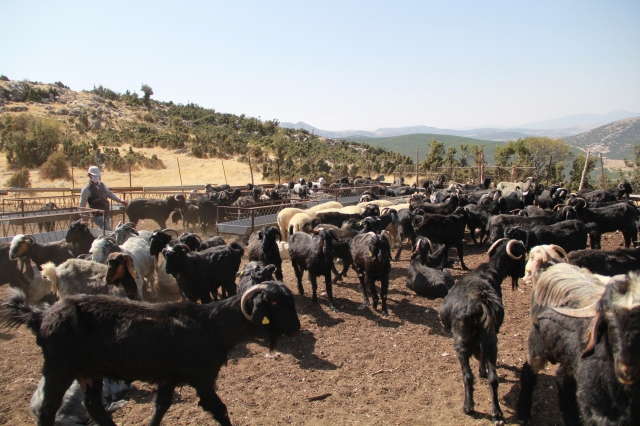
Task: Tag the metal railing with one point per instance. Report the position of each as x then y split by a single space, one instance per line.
45 225
244 220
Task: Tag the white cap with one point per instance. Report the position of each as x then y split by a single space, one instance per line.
94 170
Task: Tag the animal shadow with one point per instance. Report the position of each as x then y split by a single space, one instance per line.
301 347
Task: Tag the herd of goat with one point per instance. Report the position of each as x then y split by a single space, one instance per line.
585 304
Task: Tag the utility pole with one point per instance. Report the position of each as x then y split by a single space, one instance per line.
602 171
584 171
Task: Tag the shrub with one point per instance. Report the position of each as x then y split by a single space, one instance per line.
20 179
148 117
4 77
103 92
56 167
60 85
36 94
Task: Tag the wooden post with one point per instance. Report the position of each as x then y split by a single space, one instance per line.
130 176
72 179
584 171
417 162
224 171
513 173
180 172
250 168
549 173
602 171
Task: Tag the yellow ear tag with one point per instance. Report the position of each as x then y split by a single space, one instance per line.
370 254
265 321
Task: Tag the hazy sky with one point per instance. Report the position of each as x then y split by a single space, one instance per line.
341 64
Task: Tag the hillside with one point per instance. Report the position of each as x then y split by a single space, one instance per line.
128 130
407 144
615 140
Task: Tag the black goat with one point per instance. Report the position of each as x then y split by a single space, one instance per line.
478 217
570 235
208 188
570 307
473 312
193 241
442 208
313 254
618 217
80 237
188 215
25 245
89 338
254 273
337 218
497 224
157 210
372 258
443 229
548 199
623 188
212 242
424 280
405 230
264 247
159 240
12 270
607 262
201 274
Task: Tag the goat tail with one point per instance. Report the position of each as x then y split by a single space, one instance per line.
237 247
16 312
50 273
490 305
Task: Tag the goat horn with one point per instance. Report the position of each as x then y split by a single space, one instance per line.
496 244
271 267
557 207
585 312
107 237
509 245
198 237
247 294
170 230
560 251
430 245
131 224
621 186
417 250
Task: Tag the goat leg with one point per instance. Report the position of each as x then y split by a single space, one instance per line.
371 284
528 379
93 403
460 255
327 281
365 296
489 348
298 271
211 402
314 287
467 379
56 384
384 288
163 401
567 398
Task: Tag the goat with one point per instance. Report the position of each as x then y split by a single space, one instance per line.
124 231
12 271
77 276
423 280
313 254
254 273
447 230
193 241
201 274
618 217
570 235
80 237
159 240
473 312
212 242
571 306
405 230
509 187
372 260
25 245
478 217
284 217
91 338
264 247
623 188
607 262
497 224
156 210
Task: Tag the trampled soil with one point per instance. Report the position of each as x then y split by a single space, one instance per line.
400 370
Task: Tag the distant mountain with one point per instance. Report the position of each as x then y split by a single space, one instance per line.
614 140
584 121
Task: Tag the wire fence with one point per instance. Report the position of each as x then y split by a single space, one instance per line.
244 220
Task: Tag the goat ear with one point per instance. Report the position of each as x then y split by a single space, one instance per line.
260 234
593 333
129 264
260 317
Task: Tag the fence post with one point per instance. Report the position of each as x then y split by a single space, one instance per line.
549 174
602 171
253 220
584 171
513 173
22 206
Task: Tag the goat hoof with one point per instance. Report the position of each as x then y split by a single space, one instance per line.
385 314
333 308
362 307
468 410
498 422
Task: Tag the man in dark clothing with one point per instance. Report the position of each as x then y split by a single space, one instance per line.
96 193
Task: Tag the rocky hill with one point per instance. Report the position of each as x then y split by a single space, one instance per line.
614 140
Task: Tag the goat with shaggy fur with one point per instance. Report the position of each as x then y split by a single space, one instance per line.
372 259
264 247
607 262
473 312
91 338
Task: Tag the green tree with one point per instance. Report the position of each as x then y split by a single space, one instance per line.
435 158
148 91
634 175
450 159
465 155
575 175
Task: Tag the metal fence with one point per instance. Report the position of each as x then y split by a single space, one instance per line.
45 226
244 220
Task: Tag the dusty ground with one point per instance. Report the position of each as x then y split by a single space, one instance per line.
400 370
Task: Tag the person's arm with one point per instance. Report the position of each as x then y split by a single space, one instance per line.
84 196
114 197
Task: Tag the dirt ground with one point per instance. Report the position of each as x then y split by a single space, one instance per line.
401 370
